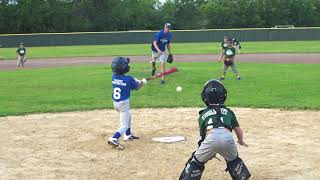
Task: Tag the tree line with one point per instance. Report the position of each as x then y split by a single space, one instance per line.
33 16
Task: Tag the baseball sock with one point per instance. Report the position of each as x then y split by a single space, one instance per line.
116 135
128 132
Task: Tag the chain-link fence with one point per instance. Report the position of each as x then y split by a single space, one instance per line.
143 37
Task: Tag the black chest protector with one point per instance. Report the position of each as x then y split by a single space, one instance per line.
219 122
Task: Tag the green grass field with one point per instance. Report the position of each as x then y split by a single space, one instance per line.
289 86
178 48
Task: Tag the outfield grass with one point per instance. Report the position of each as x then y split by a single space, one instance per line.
178 48
290 86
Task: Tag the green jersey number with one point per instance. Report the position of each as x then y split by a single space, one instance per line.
210 123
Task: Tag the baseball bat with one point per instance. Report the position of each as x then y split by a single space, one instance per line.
169 71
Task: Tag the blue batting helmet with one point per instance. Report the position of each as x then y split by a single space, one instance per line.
120 65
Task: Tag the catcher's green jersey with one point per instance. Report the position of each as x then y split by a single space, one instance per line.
208 119
229 52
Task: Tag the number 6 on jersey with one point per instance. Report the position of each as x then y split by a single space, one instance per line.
116 93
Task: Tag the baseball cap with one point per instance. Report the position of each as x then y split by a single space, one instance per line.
21 43
167 25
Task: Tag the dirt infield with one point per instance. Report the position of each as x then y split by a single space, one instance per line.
71 145
307 58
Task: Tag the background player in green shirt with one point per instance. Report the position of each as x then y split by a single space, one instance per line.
216 123
21 56
236 44
229 56
224 45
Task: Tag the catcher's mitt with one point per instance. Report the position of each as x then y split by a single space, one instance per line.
228 62
170 58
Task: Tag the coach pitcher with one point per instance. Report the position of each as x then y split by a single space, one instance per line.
158 47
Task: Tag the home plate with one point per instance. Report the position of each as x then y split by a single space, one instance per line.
169 139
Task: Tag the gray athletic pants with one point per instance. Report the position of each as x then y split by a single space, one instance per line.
233 67
219 140
20 61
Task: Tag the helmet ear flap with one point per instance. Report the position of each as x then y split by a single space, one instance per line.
204 99
223 96
126 69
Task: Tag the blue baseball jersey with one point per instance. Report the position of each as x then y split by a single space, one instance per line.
122 85
162 40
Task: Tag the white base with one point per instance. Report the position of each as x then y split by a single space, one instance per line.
169 139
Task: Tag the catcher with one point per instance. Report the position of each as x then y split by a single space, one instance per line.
216 123
229 55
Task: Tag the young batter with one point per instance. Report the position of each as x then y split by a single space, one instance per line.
122 86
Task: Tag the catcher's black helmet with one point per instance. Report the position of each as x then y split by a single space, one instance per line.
120 65
213 93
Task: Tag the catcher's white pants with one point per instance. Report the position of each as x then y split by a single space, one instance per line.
218 141
162 57
20 61
123 107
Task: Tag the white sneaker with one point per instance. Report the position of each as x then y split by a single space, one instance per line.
131 137
115 143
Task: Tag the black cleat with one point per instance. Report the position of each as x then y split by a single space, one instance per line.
131 138
153 72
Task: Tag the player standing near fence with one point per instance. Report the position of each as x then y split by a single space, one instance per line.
224 45
237 44
158 47
122 86
21 56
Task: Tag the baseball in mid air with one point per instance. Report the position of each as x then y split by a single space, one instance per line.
179 89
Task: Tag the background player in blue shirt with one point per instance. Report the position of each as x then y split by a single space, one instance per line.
158 47
122 86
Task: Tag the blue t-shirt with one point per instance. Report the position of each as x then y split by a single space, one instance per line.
122 85
162 40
